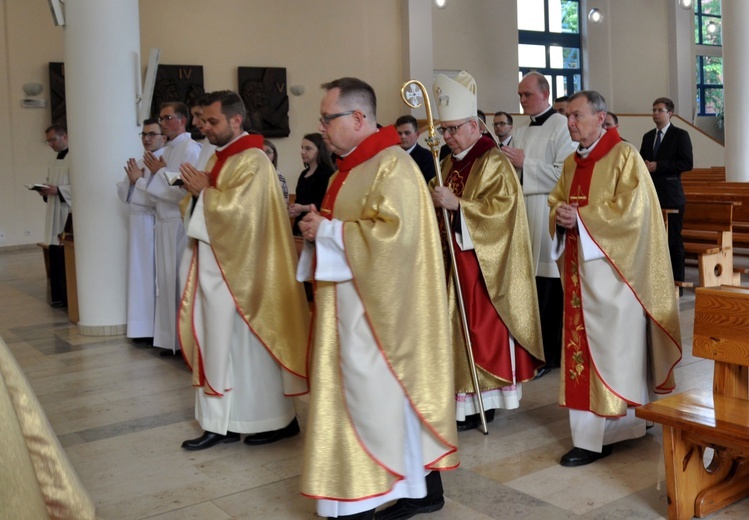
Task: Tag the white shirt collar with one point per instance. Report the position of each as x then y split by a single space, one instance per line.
221 148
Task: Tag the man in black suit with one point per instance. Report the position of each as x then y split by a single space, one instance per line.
503 128
667 152
408 131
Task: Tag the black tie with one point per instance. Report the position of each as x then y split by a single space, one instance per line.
657 143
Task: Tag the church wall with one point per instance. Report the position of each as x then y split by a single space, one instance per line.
631 57
628 61
29 41
315 41
480 36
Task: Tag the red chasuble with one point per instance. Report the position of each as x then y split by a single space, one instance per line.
576 350
486 327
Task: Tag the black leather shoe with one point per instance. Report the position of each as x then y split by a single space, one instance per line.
408 507
542 372
273 436
209 439
474 421
365 515
580 456
169 353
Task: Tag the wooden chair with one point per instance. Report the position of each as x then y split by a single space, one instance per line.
719 419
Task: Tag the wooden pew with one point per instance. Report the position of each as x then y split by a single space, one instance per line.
736 192
714 173
714 255
719 419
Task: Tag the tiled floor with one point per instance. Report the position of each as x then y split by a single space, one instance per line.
121 411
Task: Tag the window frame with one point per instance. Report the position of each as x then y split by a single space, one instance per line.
548 40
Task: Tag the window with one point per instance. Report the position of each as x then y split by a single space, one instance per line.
708 57
550 43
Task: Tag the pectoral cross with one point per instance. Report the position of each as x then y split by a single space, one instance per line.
577 198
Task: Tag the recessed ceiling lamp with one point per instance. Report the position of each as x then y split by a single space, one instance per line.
595 15
440 3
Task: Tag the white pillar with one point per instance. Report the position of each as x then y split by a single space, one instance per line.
102 58
735 79
417 56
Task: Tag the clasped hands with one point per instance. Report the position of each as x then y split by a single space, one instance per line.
567 215
309 224
152 162
193 179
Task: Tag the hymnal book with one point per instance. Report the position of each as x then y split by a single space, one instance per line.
173 178
36 187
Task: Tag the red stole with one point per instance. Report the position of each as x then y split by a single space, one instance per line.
240 145
576 351
490 337
371 146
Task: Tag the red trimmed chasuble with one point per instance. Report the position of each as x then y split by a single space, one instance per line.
371 146
576 349
486 327
240 145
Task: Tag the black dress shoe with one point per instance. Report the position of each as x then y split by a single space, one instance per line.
474 421
408 507
209 439
580 456
542 372
169 353
273 436
364 515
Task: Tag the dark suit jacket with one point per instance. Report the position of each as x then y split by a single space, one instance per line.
674 157
423 159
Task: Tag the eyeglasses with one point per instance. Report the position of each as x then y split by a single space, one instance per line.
501 123
452 130
52 140
150 135
657 110
165 119
325 119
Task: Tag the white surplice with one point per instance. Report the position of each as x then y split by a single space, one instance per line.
141 262
169 238
58 206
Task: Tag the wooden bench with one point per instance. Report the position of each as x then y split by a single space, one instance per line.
696 420
714 173
714 254
736 192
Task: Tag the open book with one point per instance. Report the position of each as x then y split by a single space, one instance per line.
173 178
36 187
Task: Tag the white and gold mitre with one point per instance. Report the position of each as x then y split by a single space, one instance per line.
456 97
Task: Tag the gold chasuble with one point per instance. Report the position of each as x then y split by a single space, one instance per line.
497 275
251 239
392 246
619 210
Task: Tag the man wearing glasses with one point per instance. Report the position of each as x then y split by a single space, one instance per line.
381 424
489 230
170 238
503 128
667 151
141 277
56 193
